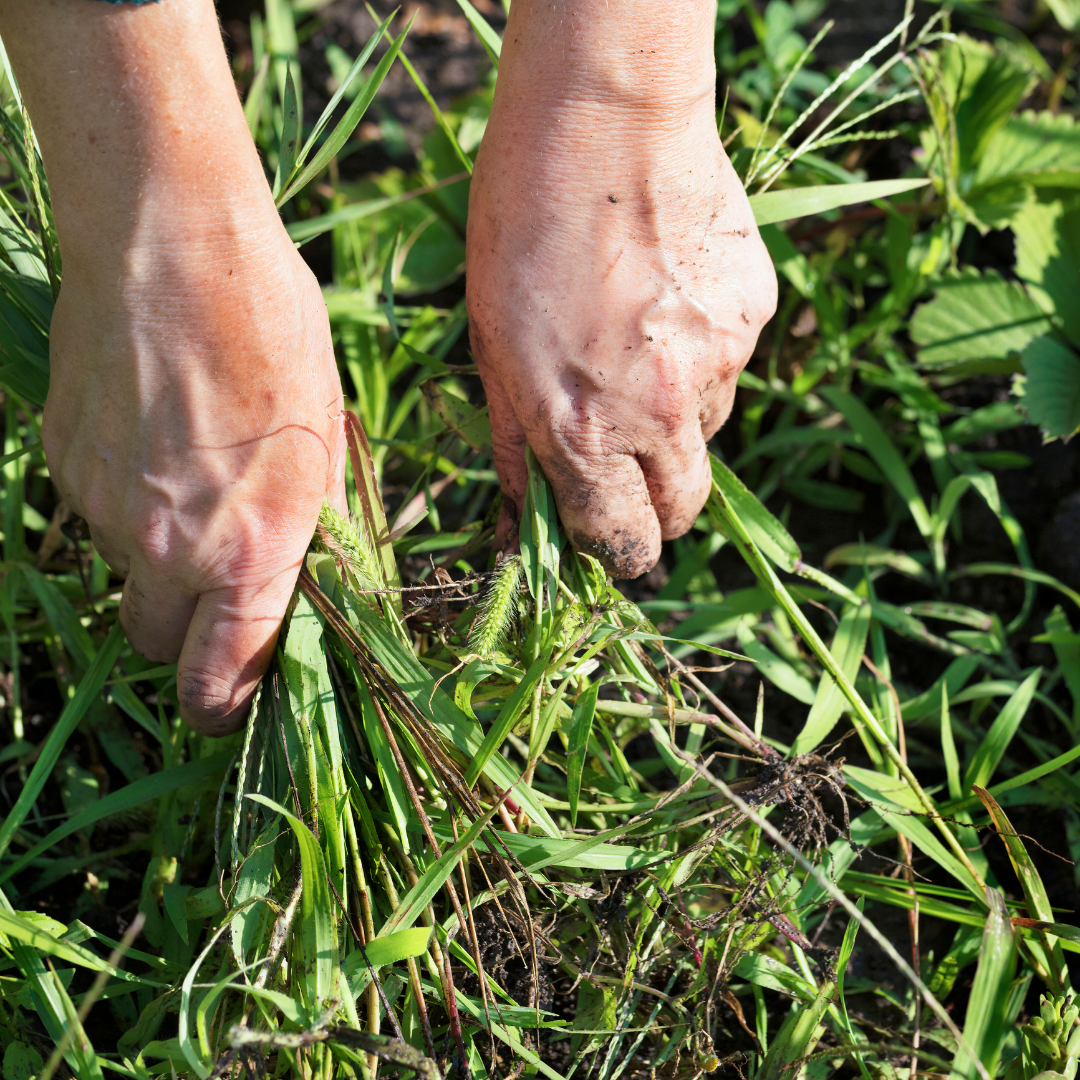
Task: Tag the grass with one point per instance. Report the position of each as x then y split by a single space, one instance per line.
770 816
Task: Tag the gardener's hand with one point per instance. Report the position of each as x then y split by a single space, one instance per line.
616 279
194 416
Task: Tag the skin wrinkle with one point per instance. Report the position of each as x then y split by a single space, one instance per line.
192 365
658 317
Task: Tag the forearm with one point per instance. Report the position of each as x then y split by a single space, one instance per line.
611 54
140 126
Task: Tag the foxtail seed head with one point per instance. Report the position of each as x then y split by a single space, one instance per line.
497 609
349 543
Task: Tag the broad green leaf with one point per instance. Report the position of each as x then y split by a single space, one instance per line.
848 645
772 974
985 1023
1067 12
769 535
993 98
992 748
578 744
73 712
1052 386
1040 148
1047 255
317 922
978 316
390 948
882 449
772 206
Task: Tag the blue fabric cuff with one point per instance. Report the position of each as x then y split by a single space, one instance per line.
136 2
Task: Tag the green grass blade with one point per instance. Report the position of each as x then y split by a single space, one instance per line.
19 929
992 748
419 896
347 124
316 913
985 1023
484 31
881 448
768 534
290 130
436 706
577 746
87 690
772 206
508 717
1038 902
253 103
425 93
848 645
347 82
948 747
116 802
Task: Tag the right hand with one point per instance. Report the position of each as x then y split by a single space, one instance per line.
194 418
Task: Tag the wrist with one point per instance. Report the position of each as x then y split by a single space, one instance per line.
630 59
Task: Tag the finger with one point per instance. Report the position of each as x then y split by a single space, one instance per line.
602 496
679 479
335 484
507 445
227 649
114 558
155 615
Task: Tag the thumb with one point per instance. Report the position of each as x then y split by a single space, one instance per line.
508 449
227 650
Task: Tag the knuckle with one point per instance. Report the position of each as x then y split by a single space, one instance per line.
207 694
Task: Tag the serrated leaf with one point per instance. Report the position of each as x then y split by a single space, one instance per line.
1047 257
1052 386
976 316
1039 147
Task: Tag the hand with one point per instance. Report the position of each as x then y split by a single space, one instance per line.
194 419
194 415
616 280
